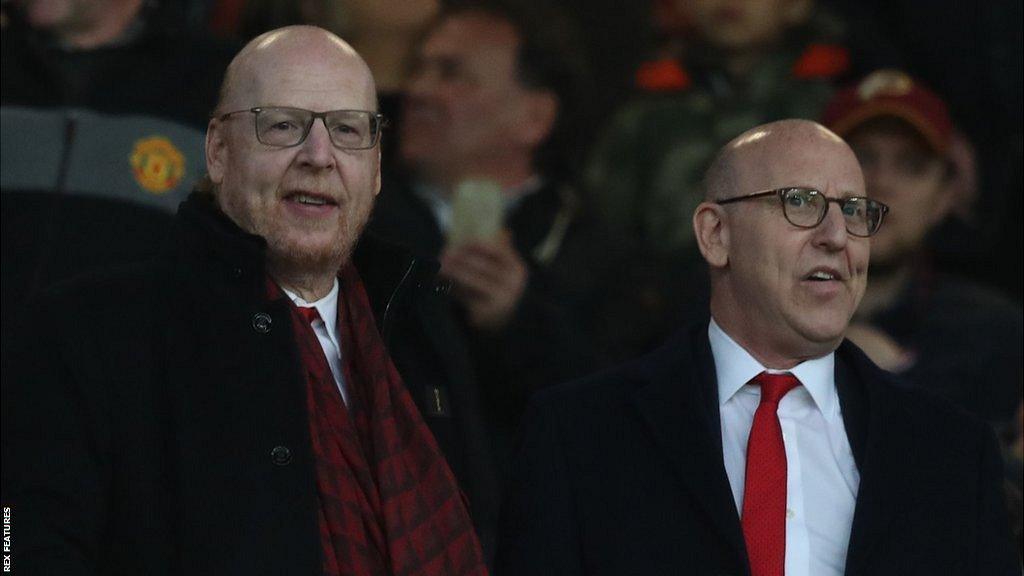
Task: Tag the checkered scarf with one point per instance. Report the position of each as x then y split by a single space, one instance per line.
389 504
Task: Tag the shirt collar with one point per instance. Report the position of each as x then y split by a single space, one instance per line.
735 368
326 307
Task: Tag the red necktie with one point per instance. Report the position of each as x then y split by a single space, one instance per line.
310 313
764 491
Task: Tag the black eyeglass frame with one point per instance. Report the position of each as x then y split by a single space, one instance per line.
377 117
781 193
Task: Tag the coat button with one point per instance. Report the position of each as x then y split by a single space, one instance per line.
281 455
261 322
236 272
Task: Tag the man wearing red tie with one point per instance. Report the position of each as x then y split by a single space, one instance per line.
759 442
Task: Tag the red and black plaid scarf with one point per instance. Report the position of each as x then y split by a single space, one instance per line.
389 504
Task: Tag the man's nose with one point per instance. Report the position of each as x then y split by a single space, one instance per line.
316 150
831 233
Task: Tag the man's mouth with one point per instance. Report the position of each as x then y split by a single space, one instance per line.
309 199
823 275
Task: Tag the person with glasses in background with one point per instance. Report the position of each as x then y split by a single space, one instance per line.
231 407
492 120
759 441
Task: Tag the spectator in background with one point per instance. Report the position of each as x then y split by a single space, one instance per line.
494 96
742 64
116 56
942 333
103 106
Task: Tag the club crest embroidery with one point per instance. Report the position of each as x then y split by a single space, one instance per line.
157 164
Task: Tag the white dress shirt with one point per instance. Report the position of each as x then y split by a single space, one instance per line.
327 332
822 477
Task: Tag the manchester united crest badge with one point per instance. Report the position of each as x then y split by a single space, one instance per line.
157 164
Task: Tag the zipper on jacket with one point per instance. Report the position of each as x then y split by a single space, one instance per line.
385 331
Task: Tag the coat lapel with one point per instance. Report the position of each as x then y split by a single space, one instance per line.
680 409
871 421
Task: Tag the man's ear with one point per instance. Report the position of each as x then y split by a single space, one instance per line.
712 231
216 151
537 116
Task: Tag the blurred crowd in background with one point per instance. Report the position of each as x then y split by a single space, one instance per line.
594 122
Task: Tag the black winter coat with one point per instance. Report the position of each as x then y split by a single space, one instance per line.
154 419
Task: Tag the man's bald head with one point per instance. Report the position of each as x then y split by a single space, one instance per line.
293 47
784 292
756 148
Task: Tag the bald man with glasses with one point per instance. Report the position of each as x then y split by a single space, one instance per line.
231 407
759 441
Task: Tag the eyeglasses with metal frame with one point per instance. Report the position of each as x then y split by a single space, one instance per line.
285 127
807 207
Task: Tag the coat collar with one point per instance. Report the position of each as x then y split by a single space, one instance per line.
215 259
221 259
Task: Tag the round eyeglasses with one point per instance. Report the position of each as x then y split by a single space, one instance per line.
806 208
286 127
